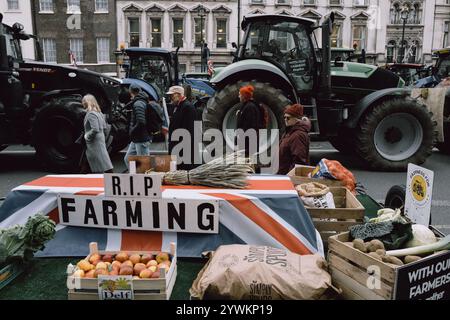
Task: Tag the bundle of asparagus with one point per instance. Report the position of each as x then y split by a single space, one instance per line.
228 172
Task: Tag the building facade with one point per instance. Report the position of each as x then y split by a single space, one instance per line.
20 11
183 24
81 32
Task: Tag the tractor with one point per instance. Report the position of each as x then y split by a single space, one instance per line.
360 108
40 104
156 69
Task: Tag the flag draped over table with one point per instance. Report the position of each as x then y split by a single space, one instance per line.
268 212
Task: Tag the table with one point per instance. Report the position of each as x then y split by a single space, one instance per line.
267 212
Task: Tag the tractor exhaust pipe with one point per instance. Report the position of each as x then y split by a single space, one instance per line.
325 76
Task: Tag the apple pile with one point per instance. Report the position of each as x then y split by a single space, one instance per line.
140 266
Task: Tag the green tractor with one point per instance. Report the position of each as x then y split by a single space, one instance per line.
360 108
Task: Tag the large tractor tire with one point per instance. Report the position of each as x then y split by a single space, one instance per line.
56 127
444 146
395 133
221 109
395 197
344 142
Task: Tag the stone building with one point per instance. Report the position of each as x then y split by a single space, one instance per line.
81 31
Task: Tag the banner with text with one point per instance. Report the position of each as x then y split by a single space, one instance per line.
133 185
179 215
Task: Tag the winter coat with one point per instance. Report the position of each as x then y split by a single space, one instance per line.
138 124
294 147
249 116
183 118
96 129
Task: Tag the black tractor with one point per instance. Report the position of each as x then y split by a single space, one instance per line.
40 104
360 108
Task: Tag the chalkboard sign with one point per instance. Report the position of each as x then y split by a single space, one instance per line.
298 66
429 281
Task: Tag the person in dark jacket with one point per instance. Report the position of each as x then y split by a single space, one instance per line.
248 116
183 118
139 136
294 144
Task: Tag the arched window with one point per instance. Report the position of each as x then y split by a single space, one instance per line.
417 13
395 13
390 51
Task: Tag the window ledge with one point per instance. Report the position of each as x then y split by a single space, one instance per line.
46 12
360 5
340 5
73 12
310 4
14 11
101 12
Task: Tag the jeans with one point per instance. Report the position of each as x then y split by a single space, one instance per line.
137 149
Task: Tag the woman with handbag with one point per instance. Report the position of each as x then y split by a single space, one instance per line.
96 134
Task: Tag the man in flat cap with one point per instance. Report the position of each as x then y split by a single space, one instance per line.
183 118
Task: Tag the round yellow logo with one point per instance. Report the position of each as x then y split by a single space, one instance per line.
418 188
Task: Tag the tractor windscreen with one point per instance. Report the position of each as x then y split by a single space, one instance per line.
152 69
286 44
12 46
443 69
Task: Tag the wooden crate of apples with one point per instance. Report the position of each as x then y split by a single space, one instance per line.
154 273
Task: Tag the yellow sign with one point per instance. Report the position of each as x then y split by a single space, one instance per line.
418 188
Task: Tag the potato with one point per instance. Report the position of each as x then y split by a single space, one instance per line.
393 260
381 252
375 256
359 245
374 245
409 259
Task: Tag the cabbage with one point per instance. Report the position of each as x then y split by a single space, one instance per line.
422 235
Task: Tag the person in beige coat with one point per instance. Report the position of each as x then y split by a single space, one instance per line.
96 131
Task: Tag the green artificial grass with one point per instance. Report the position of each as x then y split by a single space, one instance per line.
45 279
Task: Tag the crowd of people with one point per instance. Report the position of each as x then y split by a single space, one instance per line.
144 125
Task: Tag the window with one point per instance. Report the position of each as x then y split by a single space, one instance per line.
13 4
199 31
46 5
221 33
257 1
73 6
156 32
49 49
101 5
390 51
359 37
285 2
309 2
446 32
103 50
360 3
134 32
177 33
395 14
336 36
335 2
76 47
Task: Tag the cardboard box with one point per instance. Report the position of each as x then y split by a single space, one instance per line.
143 289
157 163
300 173
361 277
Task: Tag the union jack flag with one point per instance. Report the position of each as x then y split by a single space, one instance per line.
268 212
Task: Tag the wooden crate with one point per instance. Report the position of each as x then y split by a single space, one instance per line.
299 175
351 271
348 212
143 289
158 163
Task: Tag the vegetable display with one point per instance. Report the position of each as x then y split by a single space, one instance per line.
443 244
21 242
421 236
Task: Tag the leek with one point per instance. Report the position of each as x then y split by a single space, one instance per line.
443 244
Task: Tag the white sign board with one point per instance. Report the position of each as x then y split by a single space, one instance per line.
133 185
115 287
178 215
419 188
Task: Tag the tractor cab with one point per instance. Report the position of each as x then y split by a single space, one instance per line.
285 42
154 66
443 63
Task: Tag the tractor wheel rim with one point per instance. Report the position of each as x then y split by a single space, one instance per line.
229 124
398 136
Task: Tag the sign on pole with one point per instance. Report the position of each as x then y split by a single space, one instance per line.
419 187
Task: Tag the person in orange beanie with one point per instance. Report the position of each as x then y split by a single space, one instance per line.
294 144
249 115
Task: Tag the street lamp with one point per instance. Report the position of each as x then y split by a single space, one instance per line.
404 15
201 13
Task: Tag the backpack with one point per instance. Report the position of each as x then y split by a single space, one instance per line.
155 121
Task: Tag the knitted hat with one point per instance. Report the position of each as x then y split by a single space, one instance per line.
247 92
295 110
